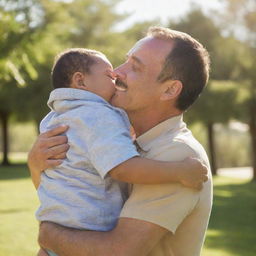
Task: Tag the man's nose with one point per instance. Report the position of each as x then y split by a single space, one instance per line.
119 72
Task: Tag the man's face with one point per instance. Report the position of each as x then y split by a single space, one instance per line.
136 84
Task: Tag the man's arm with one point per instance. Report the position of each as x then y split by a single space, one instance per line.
47 151
131 237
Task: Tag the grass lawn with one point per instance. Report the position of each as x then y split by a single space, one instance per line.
231 231
18 227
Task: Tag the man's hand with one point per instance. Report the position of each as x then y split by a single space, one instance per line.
48 151
194 174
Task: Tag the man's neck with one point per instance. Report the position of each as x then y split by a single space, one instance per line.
142 121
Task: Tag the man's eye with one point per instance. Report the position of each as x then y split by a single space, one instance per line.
134 68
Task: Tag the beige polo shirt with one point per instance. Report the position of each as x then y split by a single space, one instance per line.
183 211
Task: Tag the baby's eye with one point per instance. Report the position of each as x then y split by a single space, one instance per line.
112 78
111 75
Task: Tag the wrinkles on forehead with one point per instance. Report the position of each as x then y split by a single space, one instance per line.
151 51
138 45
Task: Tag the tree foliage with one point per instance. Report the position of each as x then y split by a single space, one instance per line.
32 33
241 21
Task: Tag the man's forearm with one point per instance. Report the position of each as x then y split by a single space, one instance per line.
67 242
131 237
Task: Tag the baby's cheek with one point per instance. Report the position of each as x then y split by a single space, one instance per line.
110 90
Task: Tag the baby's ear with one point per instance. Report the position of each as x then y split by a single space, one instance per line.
171 89
77 81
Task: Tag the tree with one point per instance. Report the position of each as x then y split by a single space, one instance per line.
217 105
240 20
80 23
13 62
32 33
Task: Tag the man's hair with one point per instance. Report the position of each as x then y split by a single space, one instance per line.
188 62
71 61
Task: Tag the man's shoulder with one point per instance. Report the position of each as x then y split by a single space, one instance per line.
190 147
186 140
178 146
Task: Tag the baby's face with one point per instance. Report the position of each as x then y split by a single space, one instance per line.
101 80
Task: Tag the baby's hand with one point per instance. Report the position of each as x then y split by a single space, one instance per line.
194 173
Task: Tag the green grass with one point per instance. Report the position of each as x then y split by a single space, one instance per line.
232 225
231 231
18 227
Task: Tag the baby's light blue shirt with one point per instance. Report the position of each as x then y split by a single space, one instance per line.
79 193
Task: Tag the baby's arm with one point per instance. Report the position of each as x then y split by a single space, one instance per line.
137 170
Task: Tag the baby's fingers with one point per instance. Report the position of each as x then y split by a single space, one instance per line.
205 178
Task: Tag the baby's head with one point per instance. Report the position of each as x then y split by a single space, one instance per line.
84 69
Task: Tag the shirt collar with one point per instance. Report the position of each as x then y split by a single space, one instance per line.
169 125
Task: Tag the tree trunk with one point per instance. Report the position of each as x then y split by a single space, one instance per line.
253 139
4 121
211 144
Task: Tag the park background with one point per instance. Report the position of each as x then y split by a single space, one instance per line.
32 32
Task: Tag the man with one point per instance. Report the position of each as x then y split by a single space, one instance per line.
164 74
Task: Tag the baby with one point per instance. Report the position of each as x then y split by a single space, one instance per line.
87 191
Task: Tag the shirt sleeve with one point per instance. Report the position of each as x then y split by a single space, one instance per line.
44 123
165 205
108 139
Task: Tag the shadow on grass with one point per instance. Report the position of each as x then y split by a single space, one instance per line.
15 171
14 211
232 225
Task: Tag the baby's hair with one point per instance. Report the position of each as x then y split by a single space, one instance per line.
71 61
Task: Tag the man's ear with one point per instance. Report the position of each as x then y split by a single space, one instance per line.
78 80
171 89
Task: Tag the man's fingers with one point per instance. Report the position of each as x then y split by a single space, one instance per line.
55 151
54 132
60 156
53 163
205 178
205 169
54 141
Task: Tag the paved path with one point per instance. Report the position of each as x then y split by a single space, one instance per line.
238 172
